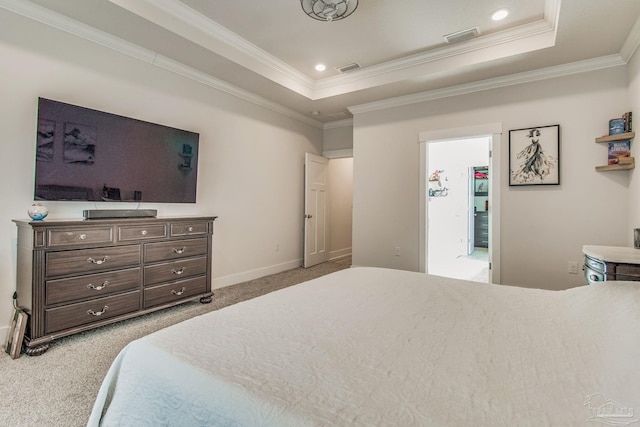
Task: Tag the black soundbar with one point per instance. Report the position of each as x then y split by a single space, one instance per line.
118 213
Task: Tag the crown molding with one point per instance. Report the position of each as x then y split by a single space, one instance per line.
338 124
78 29
203 78
179 18
338 154
632 42
525 38
63 23
577 67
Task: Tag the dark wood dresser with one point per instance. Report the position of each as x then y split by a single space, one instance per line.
76 275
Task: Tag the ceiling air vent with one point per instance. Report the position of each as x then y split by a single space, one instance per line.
348 67
461 35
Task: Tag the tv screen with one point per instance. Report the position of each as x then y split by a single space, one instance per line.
89 155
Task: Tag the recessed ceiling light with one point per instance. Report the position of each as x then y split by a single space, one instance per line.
321 67
500 14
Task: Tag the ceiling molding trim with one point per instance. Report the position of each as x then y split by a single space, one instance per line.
78 29
338 124
632 42
60 22
402 68
577 67
180 19
190 24
464 132
552 12
203 78
338 154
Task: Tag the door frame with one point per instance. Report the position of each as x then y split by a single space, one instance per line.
494 132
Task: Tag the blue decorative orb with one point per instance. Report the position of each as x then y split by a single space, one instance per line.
37 212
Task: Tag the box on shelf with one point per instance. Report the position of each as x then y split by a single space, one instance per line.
616 126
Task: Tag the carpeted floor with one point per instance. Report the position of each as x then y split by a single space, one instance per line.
58 388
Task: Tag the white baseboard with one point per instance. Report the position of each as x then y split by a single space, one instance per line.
341 253
233 279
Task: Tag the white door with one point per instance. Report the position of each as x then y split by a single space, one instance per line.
471 220
315 210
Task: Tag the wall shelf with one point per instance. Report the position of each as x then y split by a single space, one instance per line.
628 164
616 137
618 167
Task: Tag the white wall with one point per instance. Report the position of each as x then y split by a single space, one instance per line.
340 173
251 158
542 227
338 136
633 196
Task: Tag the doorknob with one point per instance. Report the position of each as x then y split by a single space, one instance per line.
308 216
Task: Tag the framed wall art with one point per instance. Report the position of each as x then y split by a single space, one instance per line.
13 347
534 156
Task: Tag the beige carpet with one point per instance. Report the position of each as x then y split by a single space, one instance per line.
58 388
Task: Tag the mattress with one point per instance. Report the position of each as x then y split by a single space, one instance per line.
381 347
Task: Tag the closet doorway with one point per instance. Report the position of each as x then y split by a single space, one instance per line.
457 197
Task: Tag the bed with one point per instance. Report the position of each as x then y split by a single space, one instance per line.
381 347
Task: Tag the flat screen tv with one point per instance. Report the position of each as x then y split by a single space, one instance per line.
89 155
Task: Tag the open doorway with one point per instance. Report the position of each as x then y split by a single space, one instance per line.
328 210
457 197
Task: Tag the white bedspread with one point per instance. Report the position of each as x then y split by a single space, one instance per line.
378 347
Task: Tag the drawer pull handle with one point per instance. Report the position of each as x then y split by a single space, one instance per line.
177 272
98 313
594 277
190 229
82 236
180 292
99 261
179 251
99 287
144 232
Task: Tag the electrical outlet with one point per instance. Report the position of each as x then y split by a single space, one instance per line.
276 247
396 251
573 267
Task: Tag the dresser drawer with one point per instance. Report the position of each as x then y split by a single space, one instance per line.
593 276
594 264
175 270
141 232
83 313
166 251
79 236
90 260
91 286
174 291
628 272
189 228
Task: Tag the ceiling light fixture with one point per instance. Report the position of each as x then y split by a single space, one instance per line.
320 67
329 10
499 15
